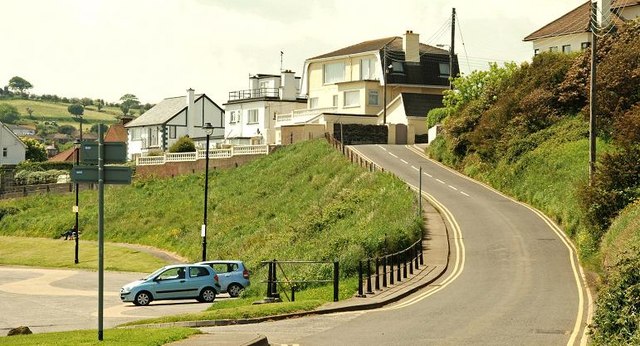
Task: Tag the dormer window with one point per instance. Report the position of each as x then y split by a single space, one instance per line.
444 69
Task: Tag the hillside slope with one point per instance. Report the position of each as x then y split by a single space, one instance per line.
51 111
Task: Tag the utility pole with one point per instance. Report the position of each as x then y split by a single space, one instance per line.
592 98
451 46
384 92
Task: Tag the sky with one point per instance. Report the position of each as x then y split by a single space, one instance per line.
159 48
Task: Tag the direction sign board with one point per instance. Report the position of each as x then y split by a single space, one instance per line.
112 174
114 152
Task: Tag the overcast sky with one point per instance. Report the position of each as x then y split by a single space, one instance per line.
156 49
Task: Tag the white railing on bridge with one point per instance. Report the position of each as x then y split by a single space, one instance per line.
202 153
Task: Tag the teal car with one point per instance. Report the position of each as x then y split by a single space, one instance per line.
179 281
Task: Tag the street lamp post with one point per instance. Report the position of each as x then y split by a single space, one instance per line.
208 128
76 208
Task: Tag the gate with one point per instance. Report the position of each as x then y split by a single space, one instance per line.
401 134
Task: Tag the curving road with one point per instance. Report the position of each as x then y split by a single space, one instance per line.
515 281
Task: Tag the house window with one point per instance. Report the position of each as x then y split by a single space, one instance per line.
352 98
235 117
335 100
135 134
4 152
585 45
553 49
253 116
536 51
396 66
153 137
172 132
566 49
367 69
444 69
313 103
333 73
373 98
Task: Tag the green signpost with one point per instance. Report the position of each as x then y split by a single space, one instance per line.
94 156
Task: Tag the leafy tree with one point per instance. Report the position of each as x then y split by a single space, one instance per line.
128 101
76 109
183 145
8 113
30 111
19 84
67 129
36 151
99 103
94 128
85 101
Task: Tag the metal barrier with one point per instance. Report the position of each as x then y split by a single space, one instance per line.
395 267
352 155
273 283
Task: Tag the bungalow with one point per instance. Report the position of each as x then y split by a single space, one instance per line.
352 86
252 111
571 32
172 118
13 149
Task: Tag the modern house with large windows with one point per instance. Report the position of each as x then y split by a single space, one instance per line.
161 126
251 112
350 86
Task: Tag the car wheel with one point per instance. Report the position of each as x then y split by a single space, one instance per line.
143 298
207 295
234 290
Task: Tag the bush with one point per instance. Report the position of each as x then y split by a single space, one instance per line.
8 113
44 166
38 177
435 116
184 144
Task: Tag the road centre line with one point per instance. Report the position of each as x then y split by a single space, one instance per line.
428 175
453 188
440 181
462 192
405 162
381 147
414 167
392 154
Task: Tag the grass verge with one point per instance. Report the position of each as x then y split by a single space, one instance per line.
142 336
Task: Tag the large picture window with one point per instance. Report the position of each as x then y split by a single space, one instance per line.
352 98
367 69
333 73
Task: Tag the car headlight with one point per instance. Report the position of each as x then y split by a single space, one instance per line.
125 290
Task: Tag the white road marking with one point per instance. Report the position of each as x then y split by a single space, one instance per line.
428 175
415 168
453 188
405 162
440 181
381 147
392 154
462 192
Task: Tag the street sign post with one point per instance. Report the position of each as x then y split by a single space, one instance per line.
114 152
112 174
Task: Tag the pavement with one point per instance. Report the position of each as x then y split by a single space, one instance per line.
436 260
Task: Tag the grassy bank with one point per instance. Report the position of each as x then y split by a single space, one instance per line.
142 336
305 201
50 111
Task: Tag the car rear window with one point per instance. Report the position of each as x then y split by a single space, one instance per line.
198 271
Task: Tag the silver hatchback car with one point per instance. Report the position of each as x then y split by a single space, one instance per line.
233 275
179 281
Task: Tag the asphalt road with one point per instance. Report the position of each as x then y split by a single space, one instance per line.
515 280
49 300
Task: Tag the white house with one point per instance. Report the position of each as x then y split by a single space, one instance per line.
172 118
251 113
351 86
13 149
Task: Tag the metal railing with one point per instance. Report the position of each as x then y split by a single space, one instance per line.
273 283
300 115
253 93
353 156
201 154
389 269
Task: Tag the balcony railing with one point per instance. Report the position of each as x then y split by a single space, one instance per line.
253 93
301 115
202 153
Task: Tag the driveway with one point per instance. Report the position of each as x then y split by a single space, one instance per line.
49 300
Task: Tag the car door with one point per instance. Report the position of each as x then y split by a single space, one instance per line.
224 277
172 283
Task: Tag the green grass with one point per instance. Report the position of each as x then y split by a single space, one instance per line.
624 234
304 202
40 252
50 111
137 336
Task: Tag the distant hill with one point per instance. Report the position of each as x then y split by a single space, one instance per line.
50 111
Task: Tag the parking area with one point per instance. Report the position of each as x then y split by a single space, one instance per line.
48 300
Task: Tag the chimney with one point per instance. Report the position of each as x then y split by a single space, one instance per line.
411 46
288 85
190 103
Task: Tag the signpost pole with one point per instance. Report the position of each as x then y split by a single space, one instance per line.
100 231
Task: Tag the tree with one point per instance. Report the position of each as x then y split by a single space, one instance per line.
36 151
76 109
99 104
94 128
128 101
67 129
19 84
30 111
85 101
8 113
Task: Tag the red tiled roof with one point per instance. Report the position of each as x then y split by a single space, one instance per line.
68 155
116 133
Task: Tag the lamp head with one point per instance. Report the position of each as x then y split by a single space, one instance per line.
208 128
